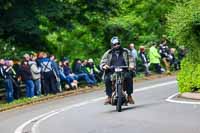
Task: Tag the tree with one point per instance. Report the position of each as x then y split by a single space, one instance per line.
68 26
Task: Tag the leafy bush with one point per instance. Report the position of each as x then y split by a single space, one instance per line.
189 76
184 27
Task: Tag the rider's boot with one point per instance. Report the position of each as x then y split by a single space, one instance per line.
108 100
130 100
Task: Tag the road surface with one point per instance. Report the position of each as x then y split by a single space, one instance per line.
154 112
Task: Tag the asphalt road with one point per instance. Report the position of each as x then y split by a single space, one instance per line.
86 113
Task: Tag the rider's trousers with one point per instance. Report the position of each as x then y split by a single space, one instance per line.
128 81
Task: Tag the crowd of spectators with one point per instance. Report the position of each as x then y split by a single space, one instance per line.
43 74
159 58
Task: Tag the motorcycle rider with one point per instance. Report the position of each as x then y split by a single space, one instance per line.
117 56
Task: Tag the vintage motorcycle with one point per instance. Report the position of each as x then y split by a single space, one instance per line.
119 97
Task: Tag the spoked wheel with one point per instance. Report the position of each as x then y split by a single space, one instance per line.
119 99
119 104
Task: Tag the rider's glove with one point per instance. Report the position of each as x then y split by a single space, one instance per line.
131 68
105 67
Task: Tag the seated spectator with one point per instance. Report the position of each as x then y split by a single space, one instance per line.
181 54
66 74
164 52
92 69
81 75
173 60
85 70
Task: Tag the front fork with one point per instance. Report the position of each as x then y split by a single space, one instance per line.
118 83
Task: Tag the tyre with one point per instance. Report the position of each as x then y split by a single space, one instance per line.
119 105
119 98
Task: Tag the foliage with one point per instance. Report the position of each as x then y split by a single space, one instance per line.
184 27
189 76
83 29
140 21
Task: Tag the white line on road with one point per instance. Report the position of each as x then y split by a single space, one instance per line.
154 86
45 116
170 99
20 129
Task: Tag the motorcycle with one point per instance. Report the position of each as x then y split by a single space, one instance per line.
119 97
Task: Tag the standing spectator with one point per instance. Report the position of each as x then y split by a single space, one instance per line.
16 87
144 59
24 73
6 73
16 84
49 79
2 63
36 74
133 52
154 57
55 69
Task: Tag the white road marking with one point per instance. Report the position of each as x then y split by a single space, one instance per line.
20 129
170 99
154 86
45 116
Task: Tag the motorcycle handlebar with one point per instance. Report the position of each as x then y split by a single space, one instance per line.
119 66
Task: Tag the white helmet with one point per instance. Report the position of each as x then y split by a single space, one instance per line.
114 40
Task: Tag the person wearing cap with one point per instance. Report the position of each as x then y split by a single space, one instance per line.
92 69
117 56
93 66
90 73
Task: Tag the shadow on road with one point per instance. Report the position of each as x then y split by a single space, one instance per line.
136 107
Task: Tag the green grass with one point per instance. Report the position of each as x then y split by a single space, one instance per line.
24 100
139 76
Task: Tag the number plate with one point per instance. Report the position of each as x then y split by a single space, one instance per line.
118 69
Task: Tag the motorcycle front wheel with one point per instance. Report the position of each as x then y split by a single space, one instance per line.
119 99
